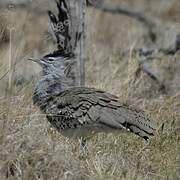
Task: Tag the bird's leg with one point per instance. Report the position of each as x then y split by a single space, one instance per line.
83 143
83 147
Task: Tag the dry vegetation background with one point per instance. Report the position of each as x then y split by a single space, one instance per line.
31 150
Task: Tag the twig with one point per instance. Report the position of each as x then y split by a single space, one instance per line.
162 87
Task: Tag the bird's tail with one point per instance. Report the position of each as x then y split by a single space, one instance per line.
131 120
138 122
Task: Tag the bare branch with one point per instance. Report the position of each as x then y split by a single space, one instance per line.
114 9
142 68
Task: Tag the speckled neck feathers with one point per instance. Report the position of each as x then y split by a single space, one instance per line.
49 85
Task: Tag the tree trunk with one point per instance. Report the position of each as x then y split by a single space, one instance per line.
77 14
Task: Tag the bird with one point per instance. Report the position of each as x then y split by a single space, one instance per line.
80 111
77 111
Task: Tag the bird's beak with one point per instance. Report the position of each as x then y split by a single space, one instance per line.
36 61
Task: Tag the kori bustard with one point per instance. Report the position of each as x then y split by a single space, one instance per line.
80 111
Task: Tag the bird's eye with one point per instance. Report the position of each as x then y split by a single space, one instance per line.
51 59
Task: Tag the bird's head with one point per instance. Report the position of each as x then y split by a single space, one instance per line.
54 64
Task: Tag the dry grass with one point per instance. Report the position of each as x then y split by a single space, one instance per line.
31 149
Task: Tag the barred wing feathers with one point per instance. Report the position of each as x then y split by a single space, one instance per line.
83 107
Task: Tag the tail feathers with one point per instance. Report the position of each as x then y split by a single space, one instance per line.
131 120
140 130
138 122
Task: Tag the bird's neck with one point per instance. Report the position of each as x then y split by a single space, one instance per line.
49 85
